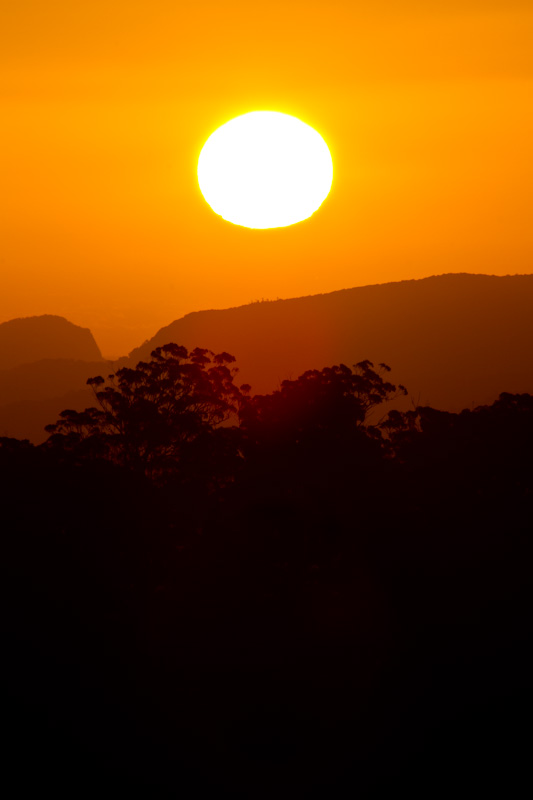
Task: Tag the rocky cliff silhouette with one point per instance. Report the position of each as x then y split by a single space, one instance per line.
44 365
30 339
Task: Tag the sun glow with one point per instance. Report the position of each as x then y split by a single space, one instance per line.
265 170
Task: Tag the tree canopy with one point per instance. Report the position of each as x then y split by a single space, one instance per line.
157 416
328 404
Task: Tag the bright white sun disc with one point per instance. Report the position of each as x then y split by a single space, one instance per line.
265 170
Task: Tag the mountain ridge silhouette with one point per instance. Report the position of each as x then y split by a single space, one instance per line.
455 341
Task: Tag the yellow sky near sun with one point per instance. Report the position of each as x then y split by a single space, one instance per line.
104 107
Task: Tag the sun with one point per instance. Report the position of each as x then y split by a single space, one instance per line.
265 170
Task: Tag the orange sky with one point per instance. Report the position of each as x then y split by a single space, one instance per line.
105 105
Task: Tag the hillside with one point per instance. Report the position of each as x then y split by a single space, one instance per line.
454 340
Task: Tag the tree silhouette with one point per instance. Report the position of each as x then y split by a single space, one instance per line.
160 417
321 404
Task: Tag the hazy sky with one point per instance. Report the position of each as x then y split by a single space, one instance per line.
104 107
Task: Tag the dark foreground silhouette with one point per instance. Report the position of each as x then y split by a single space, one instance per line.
275 595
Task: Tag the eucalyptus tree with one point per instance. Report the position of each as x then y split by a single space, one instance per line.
171 415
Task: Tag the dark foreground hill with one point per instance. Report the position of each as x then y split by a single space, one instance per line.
455 341
23 341
298 607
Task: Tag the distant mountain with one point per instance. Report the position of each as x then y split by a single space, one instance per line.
27 420
454 340
33 395
30 339
46 379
